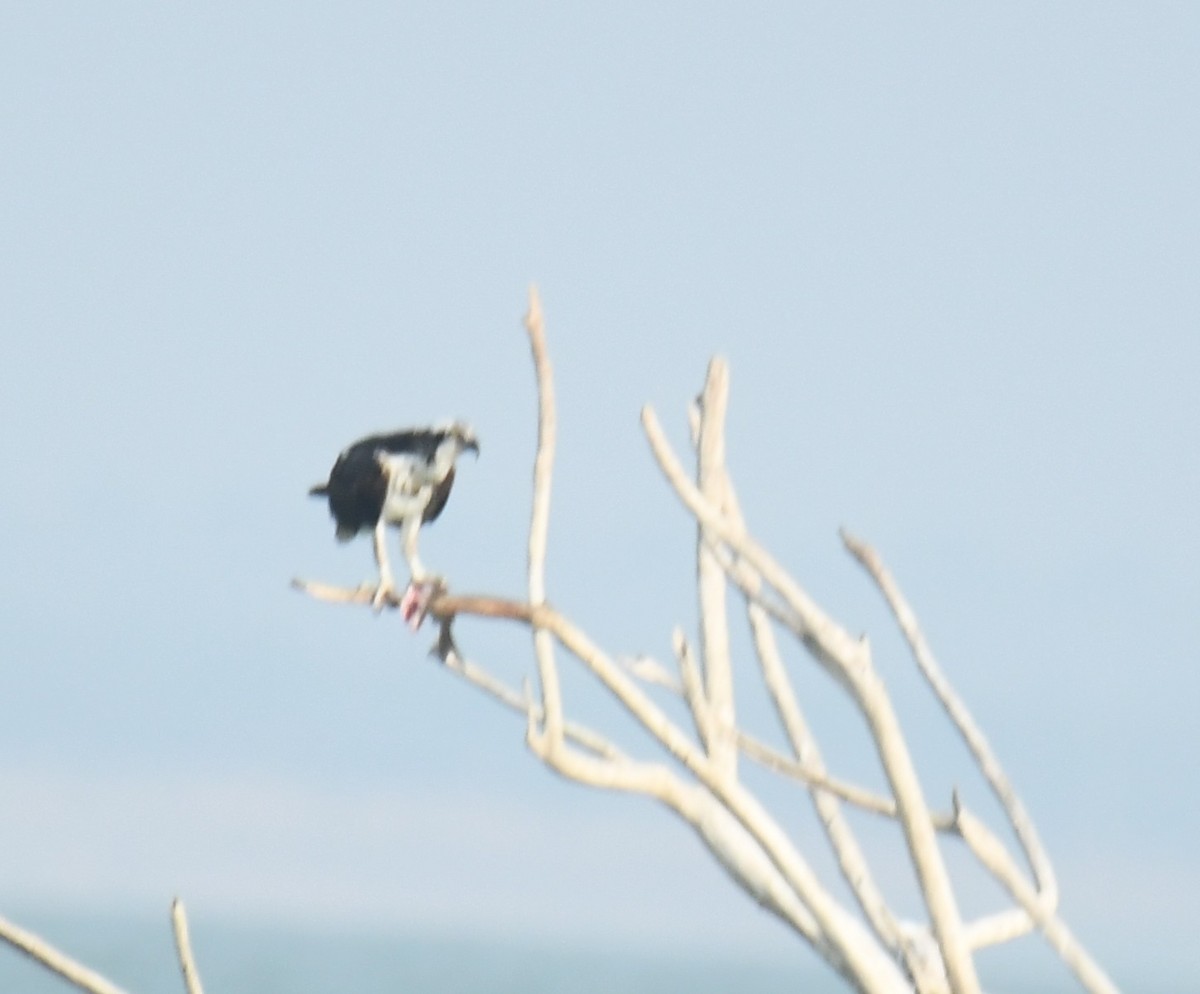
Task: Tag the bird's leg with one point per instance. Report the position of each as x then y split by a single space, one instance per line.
411 531
387 583
423 586
412 526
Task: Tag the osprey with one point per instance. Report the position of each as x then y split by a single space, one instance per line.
403 479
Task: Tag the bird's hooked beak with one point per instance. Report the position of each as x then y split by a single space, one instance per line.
462 434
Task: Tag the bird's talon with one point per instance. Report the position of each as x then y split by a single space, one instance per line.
385 595
414 605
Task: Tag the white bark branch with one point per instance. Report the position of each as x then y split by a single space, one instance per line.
651 672
759 855
693 687
735 848
986 931
852 862
539 525
960 716
996 858
710 578
930 868
740 803
548 742
653 779
447 652
332 594
848 660
849 950
816 777
831 644
989 930
43 953
183 948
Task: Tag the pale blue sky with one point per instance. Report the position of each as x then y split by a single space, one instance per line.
950 255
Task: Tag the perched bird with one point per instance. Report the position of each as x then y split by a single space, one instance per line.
403 479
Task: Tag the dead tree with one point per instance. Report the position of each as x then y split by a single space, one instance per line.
697 775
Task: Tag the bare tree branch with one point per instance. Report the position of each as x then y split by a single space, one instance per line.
851 860
710 578
447 652
46 955
961 717
183 947
849 661
996 858
831 644
693 687
815 776
539 525
650 671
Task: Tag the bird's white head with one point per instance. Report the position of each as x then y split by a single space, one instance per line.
462 434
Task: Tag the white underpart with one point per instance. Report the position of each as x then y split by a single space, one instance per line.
411 481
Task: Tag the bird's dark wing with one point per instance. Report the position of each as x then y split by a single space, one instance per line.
356 489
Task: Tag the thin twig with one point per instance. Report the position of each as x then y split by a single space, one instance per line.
539 524
710 578
956 709
852 860
447 652
1006 925
183 946
834 926
860 797
693 686
830 643
652 673
362 594
847 660
840 932
996 858
548 741
46 955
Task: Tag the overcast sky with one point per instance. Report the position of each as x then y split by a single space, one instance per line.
951 256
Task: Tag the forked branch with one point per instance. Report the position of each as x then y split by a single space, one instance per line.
695 772
86 979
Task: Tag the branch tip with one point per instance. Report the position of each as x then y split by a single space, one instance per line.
183 947
533 316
